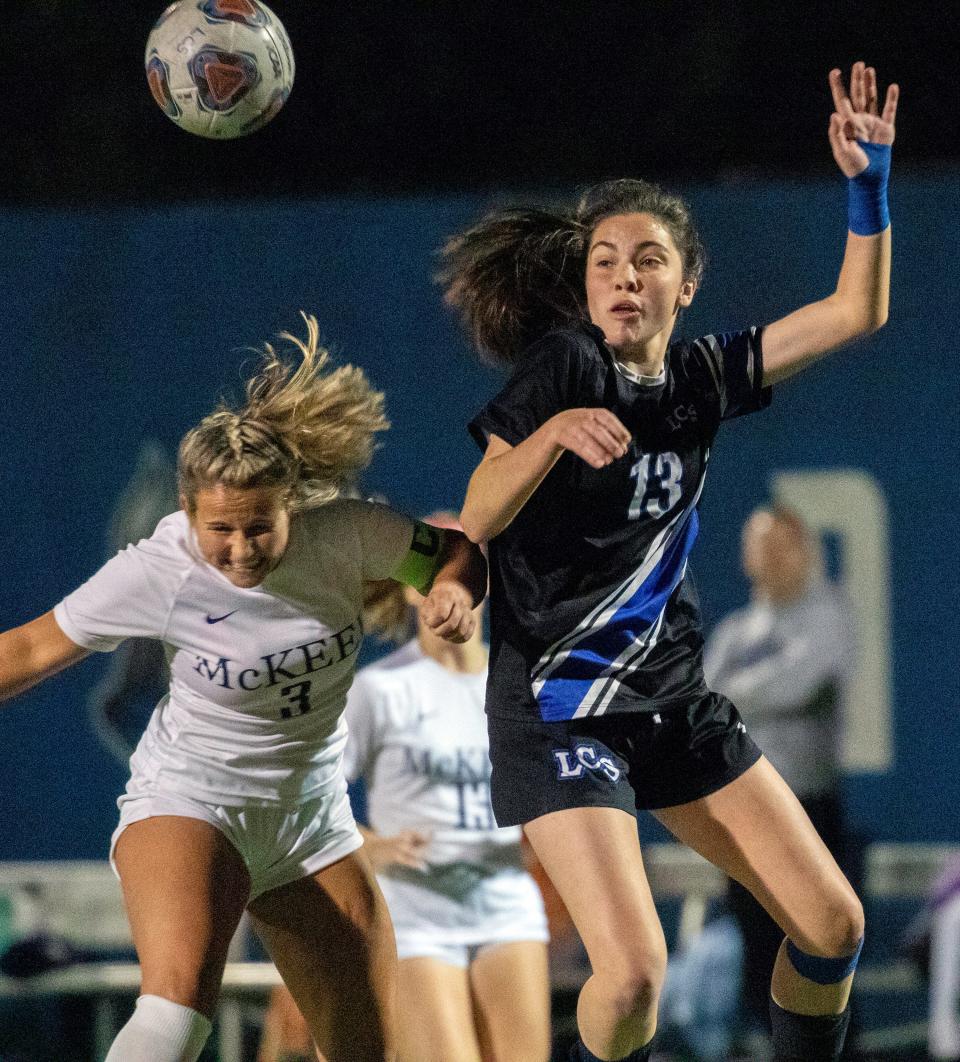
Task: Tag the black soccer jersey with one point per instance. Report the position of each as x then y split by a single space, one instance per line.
592 611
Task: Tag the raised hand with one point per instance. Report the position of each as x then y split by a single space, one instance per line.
856 117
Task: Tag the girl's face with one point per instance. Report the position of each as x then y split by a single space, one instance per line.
242 532
634 282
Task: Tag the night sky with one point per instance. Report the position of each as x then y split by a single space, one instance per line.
407 97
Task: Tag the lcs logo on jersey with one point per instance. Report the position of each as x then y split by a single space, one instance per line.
572 764
682 415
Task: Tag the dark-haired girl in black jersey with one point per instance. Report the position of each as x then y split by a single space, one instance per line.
594 458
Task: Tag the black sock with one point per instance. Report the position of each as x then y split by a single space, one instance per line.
807 1038
580 1053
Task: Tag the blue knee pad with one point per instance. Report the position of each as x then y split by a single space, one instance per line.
823 971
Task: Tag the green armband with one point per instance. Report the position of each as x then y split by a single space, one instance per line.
422 562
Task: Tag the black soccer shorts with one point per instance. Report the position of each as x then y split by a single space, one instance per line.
632 761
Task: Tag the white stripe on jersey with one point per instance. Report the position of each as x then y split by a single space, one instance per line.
602 613
607 685
713 358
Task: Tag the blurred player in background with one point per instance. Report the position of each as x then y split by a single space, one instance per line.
785 660
943 911
469 920
237 797
594 458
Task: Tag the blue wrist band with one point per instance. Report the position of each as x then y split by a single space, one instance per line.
867 192
823 971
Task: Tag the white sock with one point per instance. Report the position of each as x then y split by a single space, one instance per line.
160 1031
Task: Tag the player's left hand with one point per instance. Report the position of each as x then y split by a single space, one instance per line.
448 611
856 117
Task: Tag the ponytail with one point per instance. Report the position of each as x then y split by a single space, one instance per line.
513 277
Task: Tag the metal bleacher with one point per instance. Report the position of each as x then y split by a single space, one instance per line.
81 903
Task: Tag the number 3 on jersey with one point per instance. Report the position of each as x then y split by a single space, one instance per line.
658 485
299 697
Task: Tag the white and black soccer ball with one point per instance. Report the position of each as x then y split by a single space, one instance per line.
219 68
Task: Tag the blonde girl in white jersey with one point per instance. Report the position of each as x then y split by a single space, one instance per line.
237 797
469 920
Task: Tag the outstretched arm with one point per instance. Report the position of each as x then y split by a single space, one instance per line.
33 652
508 475
860 138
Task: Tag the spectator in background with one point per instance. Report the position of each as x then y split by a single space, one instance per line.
932 943
944 1026
785 661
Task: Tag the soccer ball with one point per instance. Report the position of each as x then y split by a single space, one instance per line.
219 68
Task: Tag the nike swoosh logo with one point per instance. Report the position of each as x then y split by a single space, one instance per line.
217 619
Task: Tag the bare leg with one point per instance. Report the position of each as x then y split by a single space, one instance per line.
511 997
756 830
592 856
332 941
435 1013
435 1019
184 887
285 1033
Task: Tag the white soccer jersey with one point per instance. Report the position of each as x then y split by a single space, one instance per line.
418 737
258 677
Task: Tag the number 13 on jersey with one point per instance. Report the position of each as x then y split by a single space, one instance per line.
658 485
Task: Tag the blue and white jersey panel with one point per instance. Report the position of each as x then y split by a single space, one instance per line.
582 673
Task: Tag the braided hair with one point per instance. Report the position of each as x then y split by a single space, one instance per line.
303 427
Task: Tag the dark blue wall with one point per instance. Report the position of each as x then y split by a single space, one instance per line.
126 324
